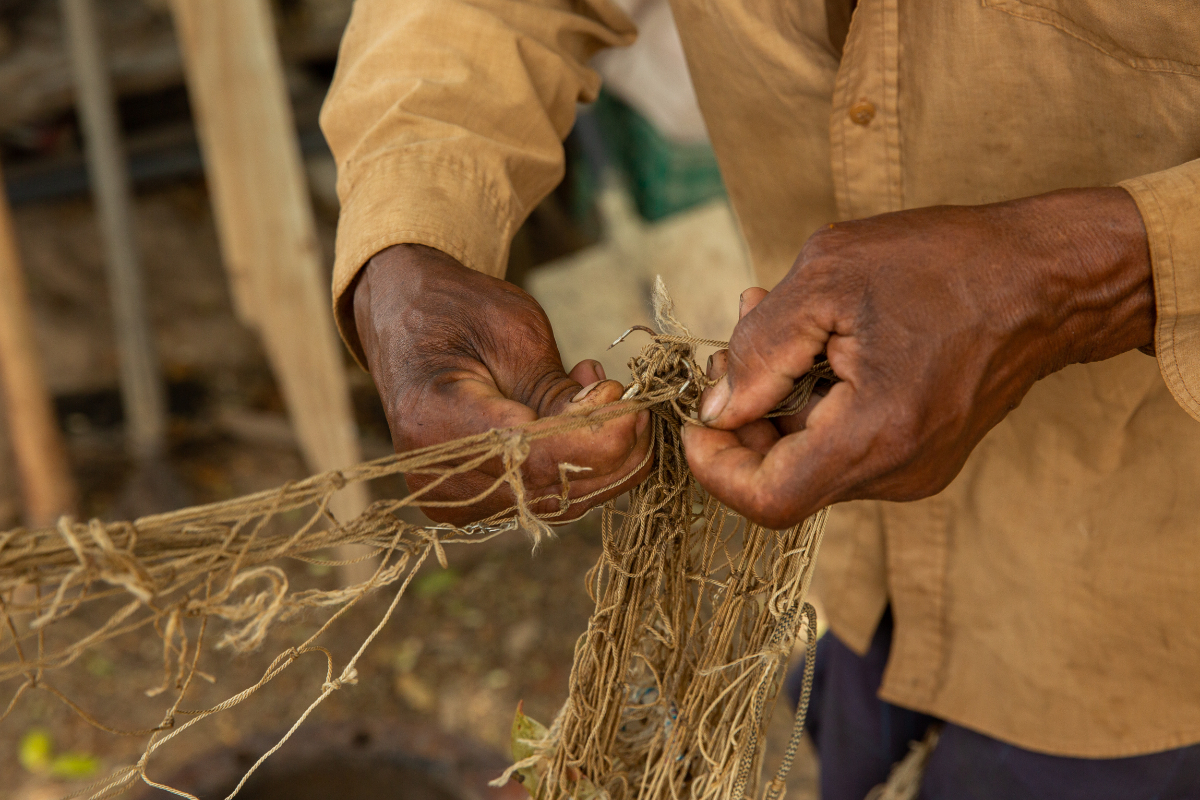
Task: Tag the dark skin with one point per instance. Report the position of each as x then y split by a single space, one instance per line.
454 352
937 322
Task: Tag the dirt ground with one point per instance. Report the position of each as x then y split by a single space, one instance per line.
466 645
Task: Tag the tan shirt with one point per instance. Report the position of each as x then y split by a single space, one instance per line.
1049 596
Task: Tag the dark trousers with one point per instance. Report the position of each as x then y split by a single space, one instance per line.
858 738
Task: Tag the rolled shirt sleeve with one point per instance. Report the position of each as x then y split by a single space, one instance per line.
446 119
1170 205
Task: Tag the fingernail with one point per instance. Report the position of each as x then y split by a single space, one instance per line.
741 304
585 391
718 365
600 370
715 402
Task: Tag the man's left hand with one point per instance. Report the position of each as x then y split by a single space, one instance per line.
937 321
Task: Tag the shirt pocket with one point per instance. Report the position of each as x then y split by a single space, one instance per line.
1157 36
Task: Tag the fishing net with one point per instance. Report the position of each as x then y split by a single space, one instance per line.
673 681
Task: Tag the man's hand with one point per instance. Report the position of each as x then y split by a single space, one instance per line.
454 352
937 321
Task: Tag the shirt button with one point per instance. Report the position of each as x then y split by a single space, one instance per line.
862 112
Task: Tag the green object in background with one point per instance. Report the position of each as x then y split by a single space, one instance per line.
75 766
527 736
36 754
665 177
433 584
36 751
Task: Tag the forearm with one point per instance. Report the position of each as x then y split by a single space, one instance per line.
446 119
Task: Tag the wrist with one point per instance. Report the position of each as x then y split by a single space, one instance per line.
1098 277
388 284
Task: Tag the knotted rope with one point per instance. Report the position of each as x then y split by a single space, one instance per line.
696 609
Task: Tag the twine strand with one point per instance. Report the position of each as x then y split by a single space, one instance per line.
673 680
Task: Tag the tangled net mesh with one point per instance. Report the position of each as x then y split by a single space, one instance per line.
696 609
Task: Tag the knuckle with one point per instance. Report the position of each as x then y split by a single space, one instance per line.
540 386
824 247
750 345
820 244
825 267
537 378
521 320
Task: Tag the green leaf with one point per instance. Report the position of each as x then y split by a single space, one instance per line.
74 766
36 751
527 734
526 731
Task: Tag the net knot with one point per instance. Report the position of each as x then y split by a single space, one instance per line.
515 443
350 676
667 368
515 446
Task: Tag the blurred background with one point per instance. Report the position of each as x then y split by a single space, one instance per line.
238 408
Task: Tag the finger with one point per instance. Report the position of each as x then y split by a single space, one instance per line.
722 464
759 436
798 475
749 299
718 365
466 405
598 450
770 348
471 496
588 372
461 404
798 421
603 447
589 489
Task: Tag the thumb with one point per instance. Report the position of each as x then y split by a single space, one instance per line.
768 351
798 475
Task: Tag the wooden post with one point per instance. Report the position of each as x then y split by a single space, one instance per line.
265 223
143 394
47 486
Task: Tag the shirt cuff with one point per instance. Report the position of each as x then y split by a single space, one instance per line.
406 199
1170 205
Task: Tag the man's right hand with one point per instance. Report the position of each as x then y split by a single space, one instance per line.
455 352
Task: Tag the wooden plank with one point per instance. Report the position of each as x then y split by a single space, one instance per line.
47 486
35 74
143 394
265 221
